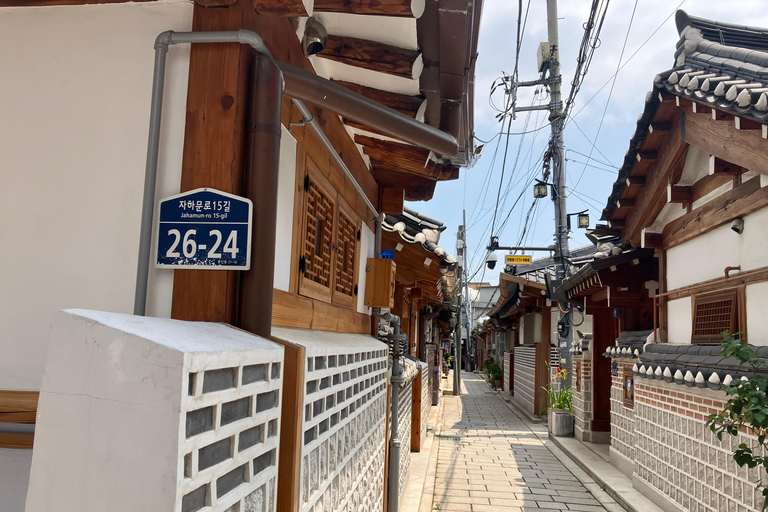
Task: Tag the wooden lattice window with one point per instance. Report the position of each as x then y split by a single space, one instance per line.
316 264
329 245
346 258
714 313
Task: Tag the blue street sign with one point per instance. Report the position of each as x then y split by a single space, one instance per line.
204 229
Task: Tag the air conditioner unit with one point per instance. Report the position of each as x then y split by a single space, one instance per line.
542 56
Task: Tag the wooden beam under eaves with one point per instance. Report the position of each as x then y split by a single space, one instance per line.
405 157
670 158
720 167
290 8
679 194
400 8
403 103
374 56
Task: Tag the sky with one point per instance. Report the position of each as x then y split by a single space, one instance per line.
646 54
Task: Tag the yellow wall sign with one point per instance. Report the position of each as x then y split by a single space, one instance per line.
517 260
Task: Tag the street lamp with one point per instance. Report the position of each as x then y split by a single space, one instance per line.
583 219
540 189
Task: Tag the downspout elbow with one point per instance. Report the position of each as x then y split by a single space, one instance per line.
164 40
253 40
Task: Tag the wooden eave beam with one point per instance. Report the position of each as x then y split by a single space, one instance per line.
399 8
744 148
720 167
373 55
290 8
679 194
741 123
403 103
740 201
670 154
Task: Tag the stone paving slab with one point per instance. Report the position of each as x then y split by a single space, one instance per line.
489 460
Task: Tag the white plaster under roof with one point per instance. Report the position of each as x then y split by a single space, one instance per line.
391 30
383 81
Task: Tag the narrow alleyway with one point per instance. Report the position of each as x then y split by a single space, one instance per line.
490 460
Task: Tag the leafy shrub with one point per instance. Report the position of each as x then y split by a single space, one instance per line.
747 407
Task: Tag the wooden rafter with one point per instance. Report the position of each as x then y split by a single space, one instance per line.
670 156
386 154
403 103
292 8
401 8
373 55
417 188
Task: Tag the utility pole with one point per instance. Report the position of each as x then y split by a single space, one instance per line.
460 245
467 301
557 154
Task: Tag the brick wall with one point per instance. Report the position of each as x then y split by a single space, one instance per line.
582 394
681 458
525 375
622 417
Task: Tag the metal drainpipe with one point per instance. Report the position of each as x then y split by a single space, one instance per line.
299 84
163 41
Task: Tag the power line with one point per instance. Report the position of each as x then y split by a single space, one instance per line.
610 93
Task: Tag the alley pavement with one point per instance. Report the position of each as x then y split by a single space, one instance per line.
490 460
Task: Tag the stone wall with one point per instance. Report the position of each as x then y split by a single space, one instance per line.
141 413
623 439
525 374
680 458
582 395
426 401
405 408
345 403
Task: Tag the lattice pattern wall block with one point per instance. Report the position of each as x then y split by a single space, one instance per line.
405 408
345 401
426 400
144 413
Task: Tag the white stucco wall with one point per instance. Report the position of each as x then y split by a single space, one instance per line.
76 84
680 320
286 189
757 300
719 248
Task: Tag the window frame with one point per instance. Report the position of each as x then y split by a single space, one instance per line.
738 313
305 286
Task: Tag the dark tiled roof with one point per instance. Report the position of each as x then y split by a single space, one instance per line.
692 365
720 65
417 228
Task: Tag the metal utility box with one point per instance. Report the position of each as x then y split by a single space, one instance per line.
542 55
380 283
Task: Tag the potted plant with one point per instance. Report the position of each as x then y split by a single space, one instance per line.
560 405
493 372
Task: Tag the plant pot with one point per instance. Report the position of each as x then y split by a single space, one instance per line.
560 423
499 385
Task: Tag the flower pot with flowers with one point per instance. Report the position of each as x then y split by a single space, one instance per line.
560 405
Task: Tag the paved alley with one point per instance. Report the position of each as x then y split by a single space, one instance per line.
490 460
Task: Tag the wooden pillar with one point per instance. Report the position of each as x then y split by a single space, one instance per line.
214 150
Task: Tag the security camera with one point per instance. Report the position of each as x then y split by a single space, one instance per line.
738 225
491 260
315 37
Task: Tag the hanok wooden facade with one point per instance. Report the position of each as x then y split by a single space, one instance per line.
412 57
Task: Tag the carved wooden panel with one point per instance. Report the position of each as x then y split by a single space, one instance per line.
316 264
346 261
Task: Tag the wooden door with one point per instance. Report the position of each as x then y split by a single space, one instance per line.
605 328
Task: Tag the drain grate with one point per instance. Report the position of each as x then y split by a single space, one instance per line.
448 438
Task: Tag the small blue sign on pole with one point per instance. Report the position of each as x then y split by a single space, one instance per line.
204 229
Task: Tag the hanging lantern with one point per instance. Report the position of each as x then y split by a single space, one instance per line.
539 190
583 220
